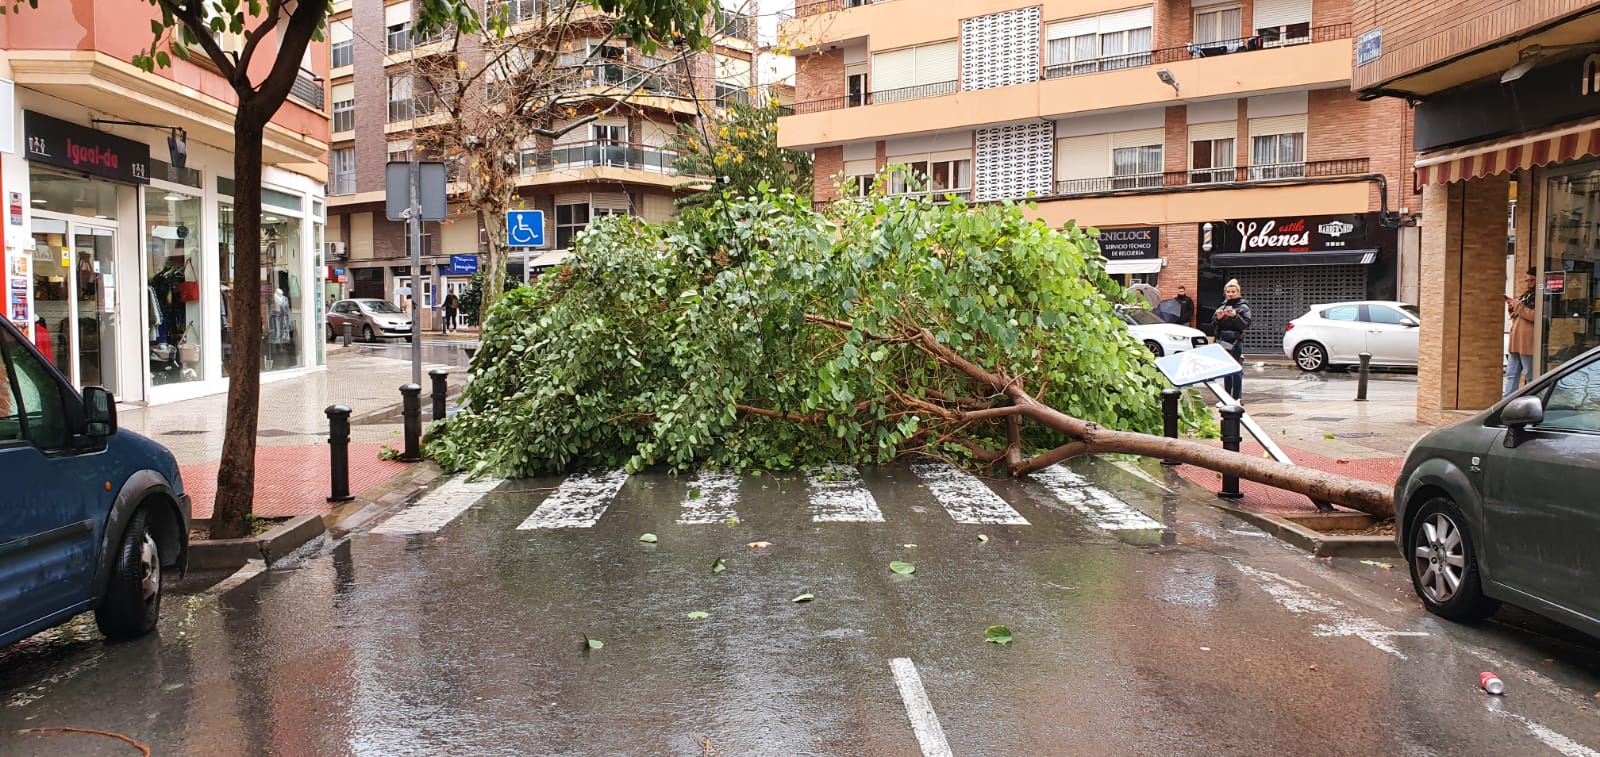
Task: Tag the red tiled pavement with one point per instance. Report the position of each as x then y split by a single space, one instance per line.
292 480
1379 470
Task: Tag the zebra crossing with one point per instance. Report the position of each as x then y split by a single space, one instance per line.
835 494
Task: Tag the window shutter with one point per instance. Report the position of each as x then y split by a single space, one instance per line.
895 69
1271 13
340 31
1084 157
609 201
1278 125
1215 130
573 137
1140 138
733 71
572 198
860 167
342 92
1073 28
1121 21
399 13
937 63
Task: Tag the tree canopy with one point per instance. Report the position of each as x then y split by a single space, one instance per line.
735 157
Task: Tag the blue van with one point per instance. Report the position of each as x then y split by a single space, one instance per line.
89 516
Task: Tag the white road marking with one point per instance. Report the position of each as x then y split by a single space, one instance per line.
578 502
924 722
718 492
1105 510
1549 738
968 500
437 508
251 569
1299 598
838 496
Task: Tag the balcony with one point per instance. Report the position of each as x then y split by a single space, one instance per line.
735 25
1218 178
600 154
803 9
877 98
625 78
308 90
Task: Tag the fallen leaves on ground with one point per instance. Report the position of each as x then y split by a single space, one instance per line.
804 598
648 538
717 566
903 568
997 635
759 544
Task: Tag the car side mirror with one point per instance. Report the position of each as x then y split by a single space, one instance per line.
99 412
1518 415
1410 323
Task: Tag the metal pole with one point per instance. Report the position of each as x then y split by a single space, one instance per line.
411 411
1169 416
349 331
438 375
1250 424
1361 385
339 452
1230 442
414 218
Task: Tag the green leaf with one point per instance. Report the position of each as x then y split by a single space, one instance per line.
589 643
903 568
804 598
693 493
717 566
699 615
997 635
648 538
1329 436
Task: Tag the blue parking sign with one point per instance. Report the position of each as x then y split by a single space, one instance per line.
525 228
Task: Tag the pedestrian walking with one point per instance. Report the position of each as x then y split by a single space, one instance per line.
451 307
1519 363
1232 318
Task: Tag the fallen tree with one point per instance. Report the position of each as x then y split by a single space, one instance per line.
757 333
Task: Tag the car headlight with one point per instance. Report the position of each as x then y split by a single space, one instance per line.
1177 338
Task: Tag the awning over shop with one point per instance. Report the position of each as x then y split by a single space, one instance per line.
1511 154
1285 259
1151 265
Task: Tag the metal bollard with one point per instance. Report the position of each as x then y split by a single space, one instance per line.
439 375
1361 385
1169 416
1231 415
411 411
339 452
349 332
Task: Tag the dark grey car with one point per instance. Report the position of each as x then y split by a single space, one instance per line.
1505 505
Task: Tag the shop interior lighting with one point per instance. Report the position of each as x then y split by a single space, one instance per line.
174 197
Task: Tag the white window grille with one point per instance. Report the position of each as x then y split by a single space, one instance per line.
1000 49
1015 161
343 166
1278 156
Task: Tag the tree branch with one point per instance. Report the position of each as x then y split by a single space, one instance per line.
191 18
274 8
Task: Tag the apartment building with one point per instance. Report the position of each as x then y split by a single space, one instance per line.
119 192
1208 139
1507 176
616 164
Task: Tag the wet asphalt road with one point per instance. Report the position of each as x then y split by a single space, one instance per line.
1204 637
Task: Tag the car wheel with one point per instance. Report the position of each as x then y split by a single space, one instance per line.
331 337
1310 356
367 335
1444 563
1154 347
133 599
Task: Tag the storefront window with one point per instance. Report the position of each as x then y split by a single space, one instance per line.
1571 296
179 302
319 270
225 275
281 292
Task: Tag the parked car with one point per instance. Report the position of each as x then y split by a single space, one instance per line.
1160 337
369 319
1501 506
93 515
1336 335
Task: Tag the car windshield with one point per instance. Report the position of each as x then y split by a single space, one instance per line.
380 306
1141 317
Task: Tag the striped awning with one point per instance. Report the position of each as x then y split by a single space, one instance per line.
1511 154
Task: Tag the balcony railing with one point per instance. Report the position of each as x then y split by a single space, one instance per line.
736 25
401 110
877 98
1248 44
626 77
803 9
600 153
307 90
398 40
1215 176
1096 65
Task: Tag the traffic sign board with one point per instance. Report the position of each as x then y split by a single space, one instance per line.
525 228
1197 366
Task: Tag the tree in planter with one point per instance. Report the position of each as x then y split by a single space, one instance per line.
741 154
762 334
490 97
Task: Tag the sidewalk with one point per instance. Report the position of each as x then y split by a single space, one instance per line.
1315 419
292 438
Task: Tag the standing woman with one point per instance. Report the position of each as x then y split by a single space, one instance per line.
1519 364
1232 318
451 306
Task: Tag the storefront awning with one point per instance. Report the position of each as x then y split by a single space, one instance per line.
1511 154
1150 265
1285 259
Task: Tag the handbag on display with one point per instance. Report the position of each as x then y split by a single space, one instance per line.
189 291
188 348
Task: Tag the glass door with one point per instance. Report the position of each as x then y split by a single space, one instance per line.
52 294
75 299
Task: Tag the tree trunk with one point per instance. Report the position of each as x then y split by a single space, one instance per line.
493 214
237 472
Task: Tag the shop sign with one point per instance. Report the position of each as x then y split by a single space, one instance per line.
1330 233
1138 243
1555 282
67 145
463 265
14 207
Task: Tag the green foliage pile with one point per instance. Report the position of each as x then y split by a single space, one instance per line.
639 351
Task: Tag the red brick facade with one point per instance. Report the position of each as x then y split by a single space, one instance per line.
1421 33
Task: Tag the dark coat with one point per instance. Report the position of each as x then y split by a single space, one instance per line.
1232 328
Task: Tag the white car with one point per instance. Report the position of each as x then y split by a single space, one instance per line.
1160 337
1337 334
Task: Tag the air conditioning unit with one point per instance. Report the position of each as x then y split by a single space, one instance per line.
333 250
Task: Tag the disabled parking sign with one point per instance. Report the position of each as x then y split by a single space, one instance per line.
1198 366
525 228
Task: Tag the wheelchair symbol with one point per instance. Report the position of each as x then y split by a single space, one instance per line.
521 233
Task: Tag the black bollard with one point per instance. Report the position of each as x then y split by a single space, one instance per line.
438 375
1169 416
1231 414
349 332
411 411
339 452
1361 385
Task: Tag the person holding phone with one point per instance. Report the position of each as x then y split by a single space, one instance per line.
1232 318
1519 365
